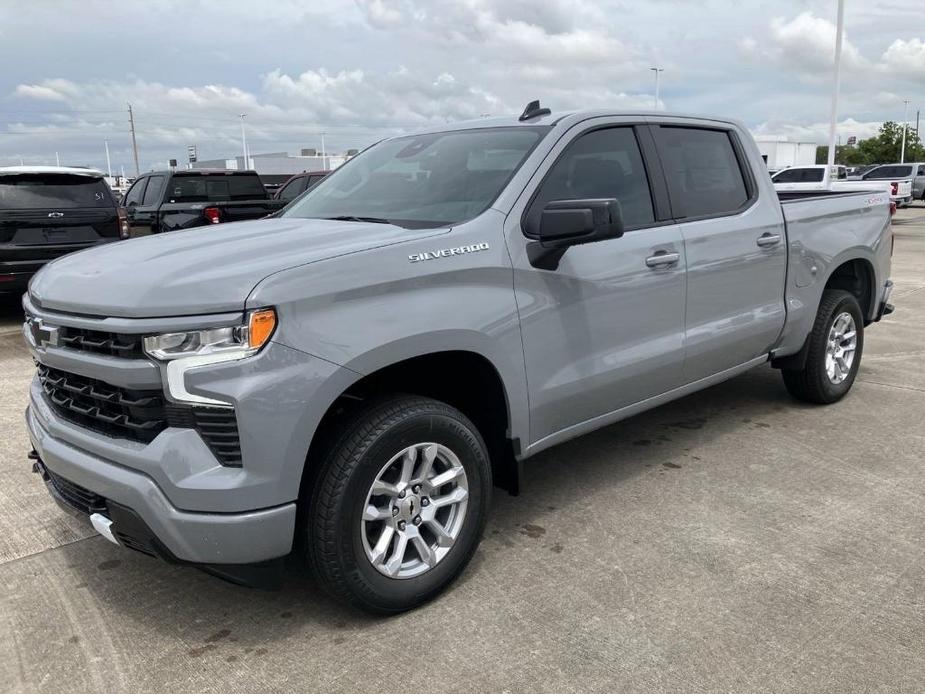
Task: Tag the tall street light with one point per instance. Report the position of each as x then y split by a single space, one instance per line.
244 139
657 70
902 152
839 34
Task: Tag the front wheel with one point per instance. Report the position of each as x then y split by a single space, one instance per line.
835 347
399 506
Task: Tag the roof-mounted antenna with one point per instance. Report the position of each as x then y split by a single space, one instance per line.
533 110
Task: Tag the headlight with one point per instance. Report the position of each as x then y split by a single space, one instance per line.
180 352
240 340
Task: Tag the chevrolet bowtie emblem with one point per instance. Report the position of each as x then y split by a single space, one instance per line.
43 335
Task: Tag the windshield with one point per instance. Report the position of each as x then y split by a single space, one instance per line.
422 181
53 191
890 172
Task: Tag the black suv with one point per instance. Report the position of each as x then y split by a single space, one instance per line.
47 211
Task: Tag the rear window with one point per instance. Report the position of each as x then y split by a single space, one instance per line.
800 176
215 188
53 191
890 172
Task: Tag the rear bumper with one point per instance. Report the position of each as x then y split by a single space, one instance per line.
140 510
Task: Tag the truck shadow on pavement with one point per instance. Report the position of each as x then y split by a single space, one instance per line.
214 615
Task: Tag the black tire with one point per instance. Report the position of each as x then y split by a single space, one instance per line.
812 383
369 439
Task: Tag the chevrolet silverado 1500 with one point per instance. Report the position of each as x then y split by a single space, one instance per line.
351 378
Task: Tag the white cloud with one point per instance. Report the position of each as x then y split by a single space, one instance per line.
906 58
359 70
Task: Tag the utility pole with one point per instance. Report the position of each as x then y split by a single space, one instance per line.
108 162
57 159
244 139
657 70
324 155
131 122
902 151
836 84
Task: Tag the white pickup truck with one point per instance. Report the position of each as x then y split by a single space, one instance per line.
820 177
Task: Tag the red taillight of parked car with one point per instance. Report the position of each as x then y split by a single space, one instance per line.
894 186
123 223
213 214
892 208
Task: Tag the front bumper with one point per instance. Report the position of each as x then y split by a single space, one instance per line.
133 500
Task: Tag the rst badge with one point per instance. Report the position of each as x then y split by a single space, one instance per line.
448 252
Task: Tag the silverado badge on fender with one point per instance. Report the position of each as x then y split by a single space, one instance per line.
447 252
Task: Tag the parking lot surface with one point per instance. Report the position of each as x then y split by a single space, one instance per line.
734 540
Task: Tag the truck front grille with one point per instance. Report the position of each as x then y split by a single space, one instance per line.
137 415
97 342
129 414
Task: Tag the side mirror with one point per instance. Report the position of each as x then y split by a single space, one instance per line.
565 223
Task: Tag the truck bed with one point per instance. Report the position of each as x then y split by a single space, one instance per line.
823 228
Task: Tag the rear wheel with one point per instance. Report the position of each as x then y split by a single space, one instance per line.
834 355
399 506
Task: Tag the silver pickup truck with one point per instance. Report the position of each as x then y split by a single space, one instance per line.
348 381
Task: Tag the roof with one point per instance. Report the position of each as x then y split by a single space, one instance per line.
202 172
567 118
72 170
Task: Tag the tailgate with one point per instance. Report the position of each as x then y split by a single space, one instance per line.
58 227
243 210
903 188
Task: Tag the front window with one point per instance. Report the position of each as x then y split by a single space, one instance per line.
421 181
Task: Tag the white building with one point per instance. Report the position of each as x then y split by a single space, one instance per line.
779 152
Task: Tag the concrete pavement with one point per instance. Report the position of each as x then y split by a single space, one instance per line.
731 541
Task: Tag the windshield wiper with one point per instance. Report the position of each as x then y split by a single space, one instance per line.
354 218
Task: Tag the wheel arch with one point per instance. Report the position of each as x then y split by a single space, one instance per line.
466 379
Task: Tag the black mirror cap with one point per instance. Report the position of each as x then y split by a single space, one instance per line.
566 223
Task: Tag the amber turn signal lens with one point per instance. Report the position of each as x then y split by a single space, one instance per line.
260 326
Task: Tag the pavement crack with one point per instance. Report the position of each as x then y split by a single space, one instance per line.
10 562
892 385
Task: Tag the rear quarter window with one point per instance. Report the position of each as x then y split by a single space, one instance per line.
53 191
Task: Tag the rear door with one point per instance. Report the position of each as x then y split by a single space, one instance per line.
735 247
604 330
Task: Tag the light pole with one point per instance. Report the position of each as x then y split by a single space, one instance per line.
836 83
902 151
108 161
244 139
324 154
657 70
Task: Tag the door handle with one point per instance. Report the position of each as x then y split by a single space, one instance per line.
766 240
662 259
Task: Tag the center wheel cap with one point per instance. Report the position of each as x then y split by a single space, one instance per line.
409 507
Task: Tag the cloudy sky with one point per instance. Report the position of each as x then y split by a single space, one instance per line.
359 70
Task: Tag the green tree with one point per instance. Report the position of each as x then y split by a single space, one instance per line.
883 148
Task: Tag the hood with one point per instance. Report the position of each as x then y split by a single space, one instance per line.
202 270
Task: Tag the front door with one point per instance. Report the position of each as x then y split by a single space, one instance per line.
606 328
